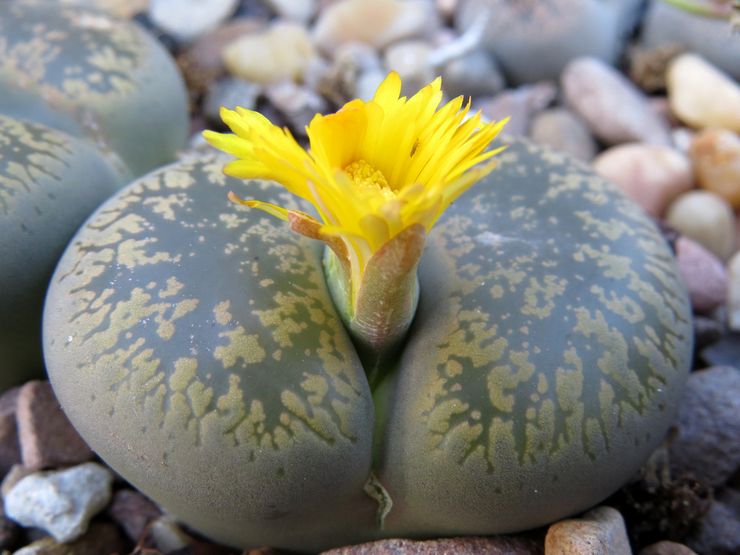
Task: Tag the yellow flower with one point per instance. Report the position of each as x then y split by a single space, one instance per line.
373 168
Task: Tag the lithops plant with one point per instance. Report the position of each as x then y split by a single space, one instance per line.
267 391
707 27
49 183
91 75
534 40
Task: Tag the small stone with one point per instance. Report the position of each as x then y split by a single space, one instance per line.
132 511
706 443
339 82
229 93
701 95
614 109
733 292
279 53
301 11
368 82
716 157
202 62
562 130
60 502
520 104
648 66
16 473
186 20
410 59
10 450
101 538
719 531
707 219
166 536
298 104
495 545
47 437
706 331
473 74
703 274
667 548
651 175
377 23
600 531
726 351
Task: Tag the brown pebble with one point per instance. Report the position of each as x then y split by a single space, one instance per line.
132 511
47 437
600 531
10 450
716 157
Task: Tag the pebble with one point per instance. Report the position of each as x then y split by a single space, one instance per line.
475 73
60 502
339 81
202 62
562 130
166 536
716 157
281 52
368 82
648 66
706 442
615 110
495 545
229 93
410 59
301 11
703 274
666 547
101 538
601 531
377 23
701 95
186 20
733 293
10 451
706 218
706 331
719 531
725 351
297 103
521 104
47 438
651 175
132 511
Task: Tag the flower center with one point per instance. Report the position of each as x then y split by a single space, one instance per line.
368 178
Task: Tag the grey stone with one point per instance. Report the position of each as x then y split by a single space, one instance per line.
703 273
474 74
667 548
496 545
60 502
600 531
719 532
229 92
186 20
520 104
297 103
562 130
706 443
615 110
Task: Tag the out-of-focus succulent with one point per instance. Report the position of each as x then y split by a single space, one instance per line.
49 183
534 40
195 344
91 75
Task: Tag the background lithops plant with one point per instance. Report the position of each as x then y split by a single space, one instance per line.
49 183
534 40
195 346
91 75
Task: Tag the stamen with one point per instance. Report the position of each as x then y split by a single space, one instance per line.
366 177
